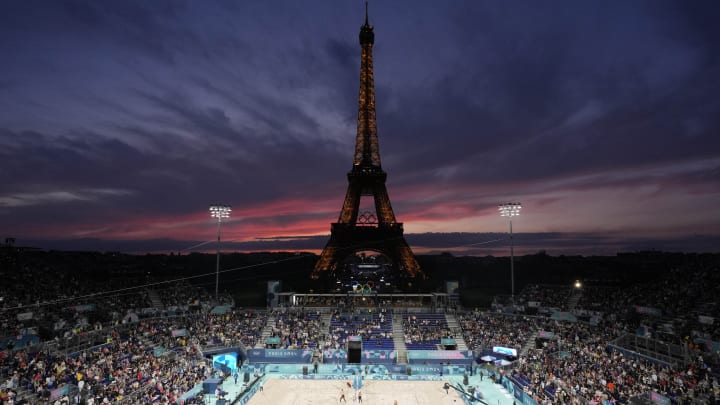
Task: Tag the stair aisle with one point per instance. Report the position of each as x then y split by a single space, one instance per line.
22 394
326 318
529 344
399 339
155 299
455 328
574 299
266 333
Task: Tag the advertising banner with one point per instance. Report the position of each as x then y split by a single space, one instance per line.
648 310
563 316
335 356
221 310
24 316
179 332
286 368
379 356
83 308
518 393
59 392
546 335
440 356
659 399
279 356
246 397
432 369
397 369
707 320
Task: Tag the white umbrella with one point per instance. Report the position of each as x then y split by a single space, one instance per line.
488 358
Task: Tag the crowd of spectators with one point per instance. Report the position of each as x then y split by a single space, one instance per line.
424 331
675 302
298 328
550 296
578 367
39 299
157 360
483 330
120 355
181 294
234 328
125 366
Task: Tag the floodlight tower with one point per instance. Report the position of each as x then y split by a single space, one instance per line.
511 210
219 212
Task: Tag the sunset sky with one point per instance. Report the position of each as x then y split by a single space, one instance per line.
121 121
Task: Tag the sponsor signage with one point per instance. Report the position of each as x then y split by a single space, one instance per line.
335 356
279 355
379 356
440 356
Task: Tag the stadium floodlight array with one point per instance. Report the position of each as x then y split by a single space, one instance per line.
511 210
220 212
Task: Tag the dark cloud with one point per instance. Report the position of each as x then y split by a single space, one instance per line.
132 116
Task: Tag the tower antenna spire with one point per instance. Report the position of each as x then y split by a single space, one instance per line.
366 12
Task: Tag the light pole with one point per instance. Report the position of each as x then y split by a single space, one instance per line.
219 212
511 210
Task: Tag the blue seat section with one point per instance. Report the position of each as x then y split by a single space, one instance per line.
297 329
423 331
375 329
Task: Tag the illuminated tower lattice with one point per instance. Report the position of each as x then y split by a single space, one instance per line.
353 231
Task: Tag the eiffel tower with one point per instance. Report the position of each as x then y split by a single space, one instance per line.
357 231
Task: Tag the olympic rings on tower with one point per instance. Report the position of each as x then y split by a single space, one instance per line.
358 287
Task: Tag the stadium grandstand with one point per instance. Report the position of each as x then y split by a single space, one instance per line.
137 337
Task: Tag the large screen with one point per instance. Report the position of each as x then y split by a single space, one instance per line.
225 361
505 350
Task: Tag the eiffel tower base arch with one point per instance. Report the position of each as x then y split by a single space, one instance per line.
346 239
